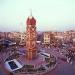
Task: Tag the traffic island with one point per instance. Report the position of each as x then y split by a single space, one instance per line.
38 66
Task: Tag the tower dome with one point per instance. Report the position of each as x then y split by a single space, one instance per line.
31 20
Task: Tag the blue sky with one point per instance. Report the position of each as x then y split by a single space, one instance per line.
50 15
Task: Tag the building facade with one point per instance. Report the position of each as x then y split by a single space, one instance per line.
46 37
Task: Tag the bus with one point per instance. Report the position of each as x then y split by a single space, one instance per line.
45 54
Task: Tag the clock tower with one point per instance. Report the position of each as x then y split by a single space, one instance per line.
31 37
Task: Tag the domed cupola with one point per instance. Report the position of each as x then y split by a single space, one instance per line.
31 20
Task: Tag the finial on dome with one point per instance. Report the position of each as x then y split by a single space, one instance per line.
30 14
31 20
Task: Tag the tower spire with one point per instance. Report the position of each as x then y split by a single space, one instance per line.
30 14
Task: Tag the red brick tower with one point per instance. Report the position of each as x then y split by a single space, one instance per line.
31 37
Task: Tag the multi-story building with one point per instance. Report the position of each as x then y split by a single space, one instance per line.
46 38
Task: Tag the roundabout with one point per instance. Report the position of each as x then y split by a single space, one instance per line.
41 65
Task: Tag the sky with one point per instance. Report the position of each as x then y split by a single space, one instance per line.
50 15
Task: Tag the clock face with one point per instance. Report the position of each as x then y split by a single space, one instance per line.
33 29
29 25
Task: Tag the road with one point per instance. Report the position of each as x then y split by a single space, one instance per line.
63 68
3 71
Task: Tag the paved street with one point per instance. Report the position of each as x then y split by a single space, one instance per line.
63 68
3 71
